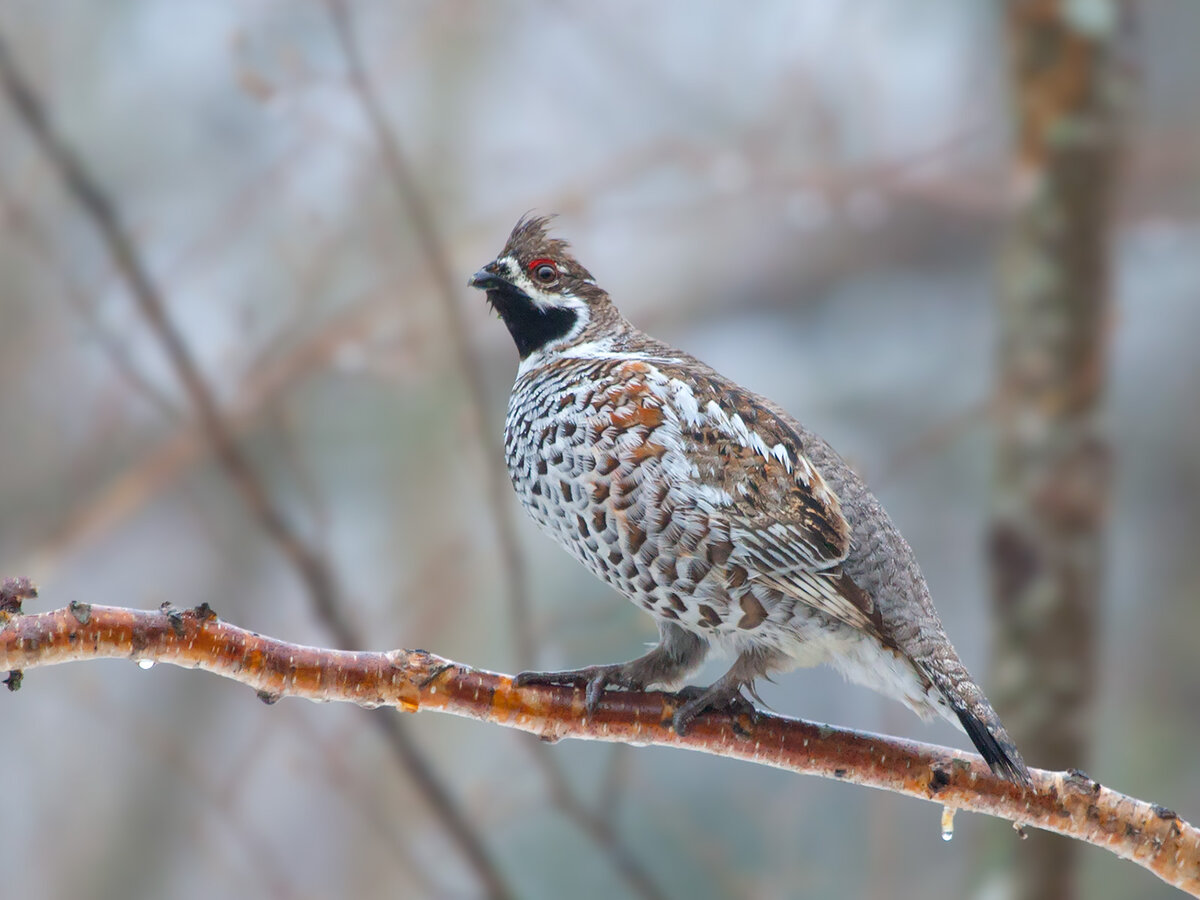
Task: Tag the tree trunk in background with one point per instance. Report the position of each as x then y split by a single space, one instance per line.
1046 546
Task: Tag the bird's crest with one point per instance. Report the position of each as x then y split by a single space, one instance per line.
531 238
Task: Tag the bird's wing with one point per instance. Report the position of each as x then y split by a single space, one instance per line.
826 589
785 525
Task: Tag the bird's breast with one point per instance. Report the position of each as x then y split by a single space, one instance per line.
596 461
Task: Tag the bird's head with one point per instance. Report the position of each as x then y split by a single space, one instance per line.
546 298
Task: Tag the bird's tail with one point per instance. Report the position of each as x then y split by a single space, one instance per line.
994 744
982 725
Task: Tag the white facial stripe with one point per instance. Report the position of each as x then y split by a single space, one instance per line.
520 279
516 274
507 267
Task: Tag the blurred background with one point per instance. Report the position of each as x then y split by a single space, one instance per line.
828 202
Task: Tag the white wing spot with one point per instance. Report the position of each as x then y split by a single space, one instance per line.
685 401
780 453
713 495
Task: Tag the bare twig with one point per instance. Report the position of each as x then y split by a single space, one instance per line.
1069 803
312 566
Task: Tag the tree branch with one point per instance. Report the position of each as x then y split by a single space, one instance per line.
1067 803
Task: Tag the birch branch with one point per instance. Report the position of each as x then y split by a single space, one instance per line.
1068 803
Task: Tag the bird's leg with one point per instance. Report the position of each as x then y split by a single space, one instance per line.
725 694
678 653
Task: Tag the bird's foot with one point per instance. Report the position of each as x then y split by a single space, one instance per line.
722 698
594 679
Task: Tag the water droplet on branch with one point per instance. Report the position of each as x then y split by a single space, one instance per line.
948 823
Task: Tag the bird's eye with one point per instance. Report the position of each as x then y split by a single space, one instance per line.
544 270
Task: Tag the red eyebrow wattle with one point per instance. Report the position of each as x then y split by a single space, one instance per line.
542 261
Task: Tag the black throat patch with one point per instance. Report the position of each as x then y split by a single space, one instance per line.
531 328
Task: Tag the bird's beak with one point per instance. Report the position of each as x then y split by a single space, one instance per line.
487 279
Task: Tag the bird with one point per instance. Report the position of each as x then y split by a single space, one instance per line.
737 528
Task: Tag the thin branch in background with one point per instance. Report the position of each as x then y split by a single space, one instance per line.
596 826
309 563
1068 803
424 223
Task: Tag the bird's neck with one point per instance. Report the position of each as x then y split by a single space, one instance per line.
599 328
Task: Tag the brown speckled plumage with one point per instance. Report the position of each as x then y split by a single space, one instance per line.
710 508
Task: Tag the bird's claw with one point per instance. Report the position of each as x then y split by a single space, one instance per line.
594 679
696 700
